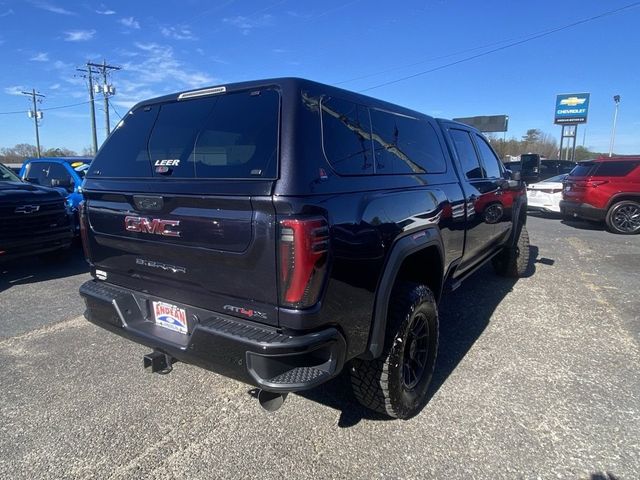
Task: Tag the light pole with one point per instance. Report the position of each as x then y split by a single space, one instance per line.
616 99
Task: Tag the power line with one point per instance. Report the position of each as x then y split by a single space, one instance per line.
513 44
66 106
440 57
115 111
44 109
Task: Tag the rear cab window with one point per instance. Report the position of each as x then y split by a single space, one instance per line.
232 136
361 140
583 169
467 155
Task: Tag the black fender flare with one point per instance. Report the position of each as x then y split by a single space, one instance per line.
400 250
520 206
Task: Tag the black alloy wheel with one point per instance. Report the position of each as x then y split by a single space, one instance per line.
415 352
624 217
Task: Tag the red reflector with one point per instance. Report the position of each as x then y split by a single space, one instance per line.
303 253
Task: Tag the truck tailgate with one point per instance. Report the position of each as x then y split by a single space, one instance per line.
217 252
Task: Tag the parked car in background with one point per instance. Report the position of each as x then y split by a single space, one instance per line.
605 189
64 173
14 167
534 169
513 166
33 219
545 196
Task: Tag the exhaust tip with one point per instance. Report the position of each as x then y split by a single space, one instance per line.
271 401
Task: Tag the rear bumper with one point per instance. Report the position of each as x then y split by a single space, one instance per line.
543 202
247 351
35 245
582 210
544 208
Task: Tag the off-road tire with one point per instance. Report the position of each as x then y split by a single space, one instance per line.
380 384
616 221
513 261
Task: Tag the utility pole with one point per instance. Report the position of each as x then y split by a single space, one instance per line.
616 99
89 71
106 88
35 114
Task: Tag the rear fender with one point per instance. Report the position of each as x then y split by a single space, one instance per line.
400 251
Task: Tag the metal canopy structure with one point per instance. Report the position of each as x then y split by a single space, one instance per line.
486 123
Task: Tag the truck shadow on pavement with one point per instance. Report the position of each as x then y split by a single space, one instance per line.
38 269
460 327
584 224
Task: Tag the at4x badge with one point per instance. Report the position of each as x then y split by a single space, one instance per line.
247 312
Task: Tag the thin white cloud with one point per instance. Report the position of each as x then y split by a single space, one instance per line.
14 90
50 7
247 24
106 12
55 86
156 71
130 22
40 57
79 35
60 65
178 33
7 13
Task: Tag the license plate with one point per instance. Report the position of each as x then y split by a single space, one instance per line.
533 193
170 316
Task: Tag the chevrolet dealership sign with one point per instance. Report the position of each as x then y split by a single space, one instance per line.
572 108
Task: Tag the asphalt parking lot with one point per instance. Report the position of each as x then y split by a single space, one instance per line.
538 378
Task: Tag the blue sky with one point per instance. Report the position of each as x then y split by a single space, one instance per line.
166 46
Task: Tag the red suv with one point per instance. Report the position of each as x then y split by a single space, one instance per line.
605 189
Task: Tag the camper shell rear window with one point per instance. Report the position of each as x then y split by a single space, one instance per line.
232 135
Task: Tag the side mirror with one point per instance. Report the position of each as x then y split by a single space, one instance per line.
62 183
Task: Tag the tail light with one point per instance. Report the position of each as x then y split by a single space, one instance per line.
304 244
84 230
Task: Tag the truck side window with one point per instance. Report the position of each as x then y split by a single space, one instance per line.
61 176
466 153
404 144
489 159
37 173
615 169
346 130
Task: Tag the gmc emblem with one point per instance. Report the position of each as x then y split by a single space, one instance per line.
157 226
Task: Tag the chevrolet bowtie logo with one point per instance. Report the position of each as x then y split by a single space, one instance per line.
572 101
27 209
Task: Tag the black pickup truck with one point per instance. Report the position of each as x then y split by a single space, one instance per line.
33 219
277 231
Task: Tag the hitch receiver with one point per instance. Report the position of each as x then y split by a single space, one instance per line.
159 362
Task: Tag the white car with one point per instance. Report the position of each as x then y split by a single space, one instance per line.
545 196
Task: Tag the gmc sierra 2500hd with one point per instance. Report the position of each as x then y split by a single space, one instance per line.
276 231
